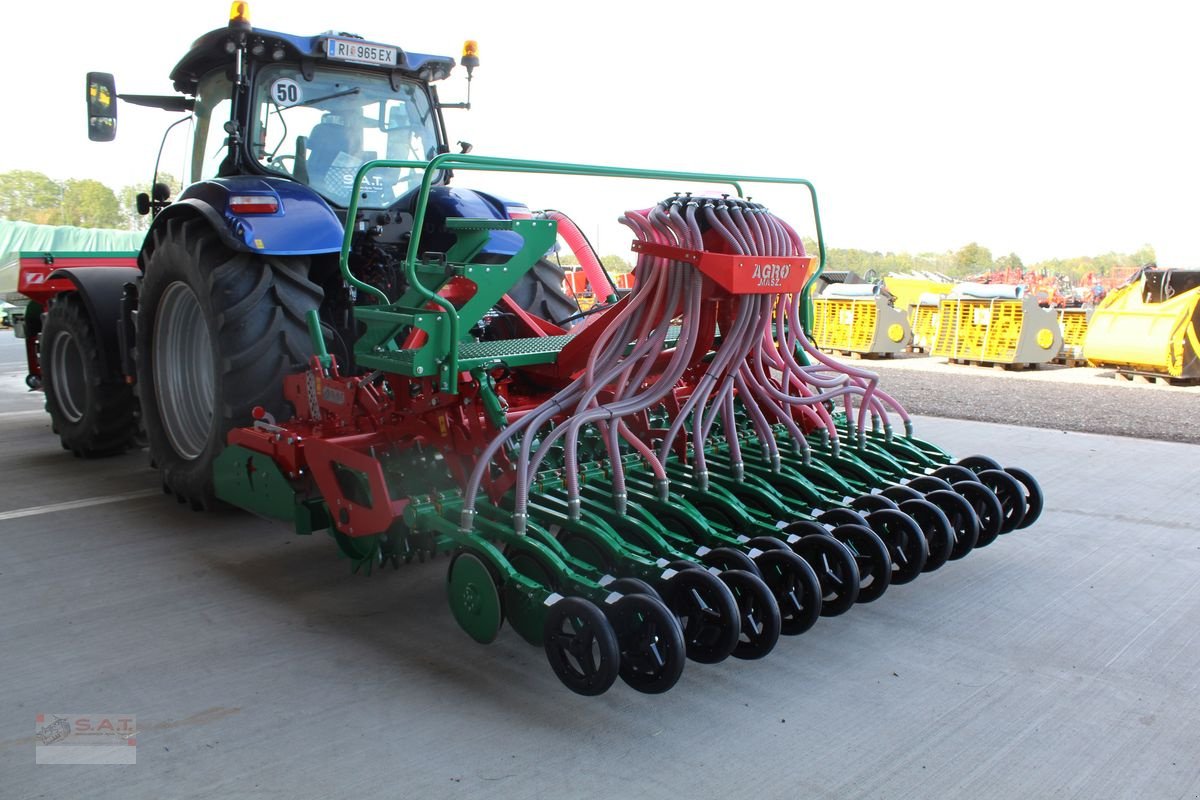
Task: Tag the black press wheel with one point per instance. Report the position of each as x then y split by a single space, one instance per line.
905 543
987 509
633 586
1034 500
871 555
581 646
964 524
707 612
650 642
900 493
928 483
795 587
978 463
934 523
759 614
217 333
724 558
954 473
865 504
836 570
841 516
91 406
1010 493
768 543
805 527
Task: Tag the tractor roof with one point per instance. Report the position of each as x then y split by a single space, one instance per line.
210 52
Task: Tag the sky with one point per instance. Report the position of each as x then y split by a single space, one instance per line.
1048 129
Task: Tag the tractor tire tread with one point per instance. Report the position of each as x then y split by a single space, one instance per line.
109 424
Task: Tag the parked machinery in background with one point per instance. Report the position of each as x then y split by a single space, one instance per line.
995 324
1148 326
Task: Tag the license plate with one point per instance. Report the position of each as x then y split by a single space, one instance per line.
361 52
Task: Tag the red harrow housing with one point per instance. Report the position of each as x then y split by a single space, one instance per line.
680 474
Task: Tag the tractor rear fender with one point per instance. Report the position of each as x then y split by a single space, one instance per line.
100 289
293 220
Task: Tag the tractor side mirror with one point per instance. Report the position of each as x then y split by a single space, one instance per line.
101 106
154 202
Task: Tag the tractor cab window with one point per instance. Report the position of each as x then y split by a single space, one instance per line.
213 109
321 130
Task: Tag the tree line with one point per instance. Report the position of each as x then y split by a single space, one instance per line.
28 196
974 259
33 197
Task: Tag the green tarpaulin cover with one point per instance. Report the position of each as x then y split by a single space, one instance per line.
17 236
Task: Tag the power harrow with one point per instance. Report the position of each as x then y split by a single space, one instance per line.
680 475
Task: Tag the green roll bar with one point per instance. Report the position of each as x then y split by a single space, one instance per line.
462 161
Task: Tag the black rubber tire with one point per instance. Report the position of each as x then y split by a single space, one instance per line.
1034 499
254 309
768 543
707 612
987 509
540 292
805 527
650 642
759 620
796 589
928 483
939 534
978 463
866 503
93 409
964 522
899 493
836 570
724 558
633 586
581 646
871 556
1010 493
954 473
841 516
905 543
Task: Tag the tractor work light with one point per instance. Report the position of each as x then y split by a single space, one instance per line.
253 204
470 55
239 14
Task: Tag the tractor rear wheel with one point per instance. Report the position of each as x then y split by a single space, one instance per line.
91 406
540 292
217 332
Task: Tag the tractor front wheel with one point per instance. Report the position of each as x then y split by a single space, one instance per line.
91 406
217 332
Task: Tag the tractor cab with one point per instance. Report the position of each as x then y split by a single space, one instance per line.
321 127
312 109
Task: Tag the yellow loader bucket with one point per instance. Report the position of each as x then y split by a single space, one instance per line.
1149 325
866 325
1074 325
997 330
911 290
923 319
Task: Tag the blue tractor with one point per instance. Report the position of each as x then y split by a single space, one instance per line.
199 335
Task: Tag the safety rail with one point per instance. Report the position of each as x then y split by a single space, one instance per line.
458 161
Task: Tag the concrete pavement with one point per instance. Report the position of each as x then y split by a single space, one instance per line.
1059 662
